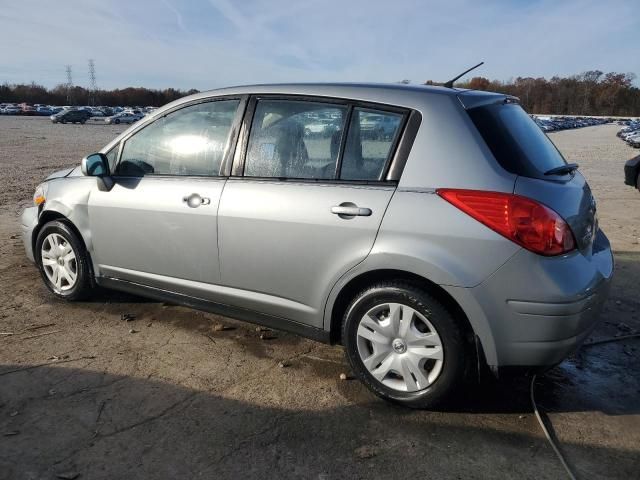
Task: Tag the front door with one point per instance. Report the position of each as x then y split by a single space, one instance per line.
158 224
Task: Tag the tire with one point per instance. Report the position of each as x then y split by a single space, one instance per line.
82 122
58 249
116 121
433 366
64 121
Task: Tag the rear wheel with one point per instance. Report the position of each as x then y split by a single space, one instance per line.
63 261
116 121
404 345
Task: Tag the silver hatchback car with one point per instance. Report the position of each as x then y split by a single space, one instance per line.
427 229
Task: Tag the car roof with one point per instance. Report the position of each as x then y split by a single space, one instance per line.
397 93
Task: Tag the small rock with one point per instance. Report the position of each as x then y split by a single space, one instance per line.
623 327
283 364
262 329
68 475
366 451
343 376
267 336
52 392
128 317
13 414
11 433
618 302
149 324
133 331
218 327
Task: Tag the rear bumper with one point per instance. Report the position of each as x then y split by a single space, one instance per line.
538 310
631 170
29 221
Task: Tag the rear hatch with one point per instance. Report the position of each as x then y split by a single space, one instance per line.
522 148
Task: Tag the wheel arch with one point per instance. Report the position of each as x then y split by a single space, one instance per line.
362 280
51 215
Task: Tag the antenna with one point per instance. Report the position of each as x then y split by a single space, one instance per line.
449 84
92 82
69 85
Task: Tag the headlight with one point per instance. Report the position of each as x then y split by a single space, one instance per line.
39 197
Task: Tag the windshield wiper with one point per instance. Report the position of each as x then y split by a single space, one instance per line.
562 169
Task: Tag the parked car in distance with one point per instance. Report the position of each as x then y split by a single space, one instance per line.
71 116
12 110
122 117
44 111
443 245
28 110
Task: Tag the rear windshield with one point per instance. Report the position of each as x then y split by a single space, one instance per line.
518 144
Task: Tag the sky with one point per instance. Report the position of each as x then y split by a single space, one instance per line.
206 44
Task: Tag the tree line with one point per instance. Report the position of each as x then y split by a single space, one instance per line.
61 95
589 93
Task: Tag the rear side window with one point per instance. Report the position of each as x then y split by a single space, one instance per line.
372 134
517 143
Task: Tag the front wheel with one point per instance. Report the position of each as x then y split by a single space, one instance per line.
63 261
116 121
404 345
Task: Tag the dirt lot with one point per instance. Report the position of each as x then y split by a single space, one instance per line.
181 398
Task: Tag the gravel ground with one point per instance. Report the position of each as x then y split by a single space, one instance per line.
194 395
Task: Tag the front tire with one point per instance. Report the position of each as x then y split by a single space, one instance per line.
63 261
404 344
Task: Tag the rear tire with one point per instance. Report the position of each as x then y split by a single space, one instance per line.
116 121
63 261
404 344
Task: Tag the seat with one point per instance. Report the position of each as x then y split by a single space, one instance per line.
290 151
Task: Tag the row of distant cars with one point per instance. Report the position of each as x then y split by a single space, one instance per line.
71 114
630 133
553 124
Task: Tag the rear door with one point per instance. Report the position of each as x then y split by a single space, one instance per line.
157 226
305 205
521 147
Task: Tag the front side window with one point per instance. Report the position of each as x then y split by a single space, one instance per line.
189 141
294 139
372 134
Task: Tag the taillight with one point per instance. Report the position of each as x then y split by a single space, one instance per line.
526 222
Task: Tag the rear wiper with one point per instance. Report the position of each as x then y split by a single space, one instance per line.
562 169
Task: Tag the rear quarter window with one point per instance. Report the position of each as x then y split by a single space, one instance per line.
517 143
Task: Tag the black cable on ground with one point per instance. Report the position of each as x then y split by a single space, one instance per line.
539 414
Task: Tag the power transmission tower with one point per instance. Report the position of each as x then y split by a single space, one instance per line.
69 85
93 87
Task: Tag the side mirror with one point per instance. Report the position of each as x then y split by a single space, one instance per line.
95 165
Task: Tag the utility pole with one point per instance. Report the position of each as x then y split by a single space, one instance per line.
93 87
69 85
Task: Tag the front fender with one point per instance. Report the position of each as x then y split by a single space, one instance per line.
68 197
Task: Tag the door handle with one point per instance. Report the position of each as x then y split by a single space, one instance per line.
350 210
194 200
